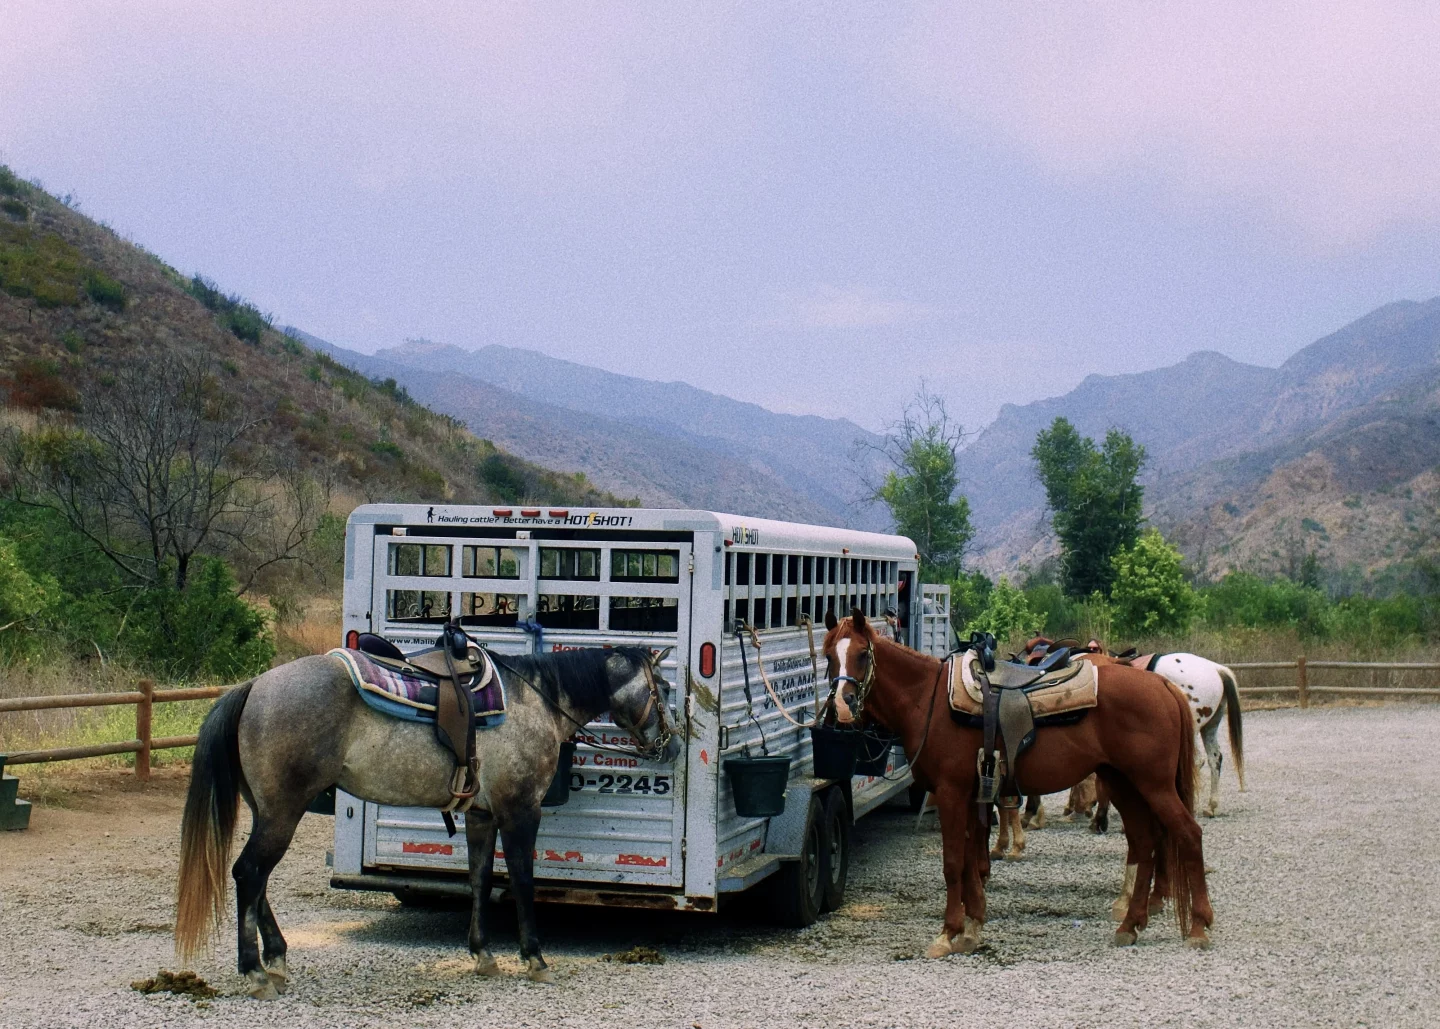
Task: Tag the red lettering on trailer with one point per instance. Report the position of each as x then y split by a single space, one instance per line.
754 844
704 757
569 855
426 848
641 859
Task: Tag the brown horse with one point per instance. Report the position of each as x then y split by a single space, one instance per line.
1137 737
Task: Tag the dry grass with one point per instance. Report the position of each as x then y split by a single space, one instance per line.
316 630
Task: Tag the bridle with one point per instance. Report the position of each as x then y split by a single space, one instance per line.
862 686
654 750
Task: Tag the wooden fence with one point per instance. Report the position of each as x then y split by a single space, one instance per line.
1303 689
144 700
147 696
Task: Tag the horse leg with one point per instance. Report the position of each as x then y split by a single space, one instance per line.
480 847
1132 908
1210 736
1100 821
1002 833
1017 835
954 805
1034 812
1179 824
972 880
517 834
269 839
274 943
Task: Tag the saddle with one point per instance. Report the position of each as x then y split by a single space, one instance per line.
455 685
1010 700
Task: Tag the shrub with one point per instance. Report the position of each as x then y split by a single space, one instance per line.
1150 595
246 322
105 291
385 448
38 384
1007 614
15 209
507 483
10 183
204 630
1246 600
42 267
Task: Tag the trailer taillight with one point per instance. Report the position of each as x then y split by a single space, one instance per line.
352 639
707 659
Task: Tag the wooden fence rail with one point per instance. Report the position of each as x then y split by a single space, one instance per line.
1303 667
144 743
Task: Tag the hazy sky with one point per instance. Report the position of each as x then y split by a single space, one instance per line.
812 206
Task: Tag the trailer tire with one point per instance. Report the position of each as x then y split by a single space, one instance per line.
836 840
798 889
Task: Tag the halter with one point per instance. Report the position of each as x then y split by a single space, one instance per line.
862 686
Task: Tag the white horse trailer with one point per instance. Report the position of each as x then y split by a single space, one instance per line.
633 832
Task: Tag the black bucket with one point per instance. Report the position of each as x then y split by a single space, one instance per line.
559 791
835 751
758 784
874 753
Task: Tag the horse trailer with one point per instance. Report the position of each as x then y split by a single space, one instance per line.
632 832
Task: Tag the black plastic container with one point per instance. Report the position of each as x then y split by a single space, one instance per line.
758 784
559 791
835 750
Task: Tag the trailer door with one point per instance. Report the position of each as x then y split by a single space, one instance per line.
625 820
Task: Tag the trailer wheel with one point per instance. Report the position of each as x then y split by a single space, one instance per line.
837 848
798 889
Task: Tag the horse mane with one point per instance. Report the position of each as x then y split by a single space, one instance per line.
577 675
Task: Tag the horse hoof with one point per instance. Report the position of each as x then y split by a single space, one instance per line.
485 964
939 947
1200 941
281 982
1118 909
996 852
262 988
1125 938
538 973
1015 855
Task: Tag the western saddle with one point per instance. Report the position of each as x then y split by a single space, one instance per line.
1008 699
459 667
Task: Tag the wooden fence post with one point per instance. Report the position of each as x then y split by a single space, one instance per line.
1302 681
142 729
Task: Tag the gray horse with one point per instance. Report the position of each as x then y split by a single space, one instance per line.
284 737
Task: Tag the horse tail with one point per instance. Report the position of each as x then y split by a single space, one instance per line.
1175 863
208 825
1232 722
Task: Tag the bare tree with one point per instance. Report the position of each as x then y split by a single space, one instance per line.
164 464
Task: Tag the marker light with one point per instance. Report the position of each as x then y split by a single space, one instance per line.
707 659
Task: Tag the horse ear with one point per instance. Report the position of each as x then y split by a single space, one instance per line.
830 621
860 622
658 656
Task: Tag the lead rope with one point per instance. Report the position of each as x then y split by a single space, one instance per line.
760 667
806 621
749 700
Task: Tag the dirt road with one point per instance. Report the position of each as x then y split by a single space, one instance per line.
1325 878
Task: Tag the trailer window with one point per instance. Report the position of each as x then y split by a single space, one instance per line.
490 608
644 614
567 611
809 571
490 562
645 566
742 569
762 567
792 611
775 613
758 619
565 563
777 569
419 559
833 564
417 605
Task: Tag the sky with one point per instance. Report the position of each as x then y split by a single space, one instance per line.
810 206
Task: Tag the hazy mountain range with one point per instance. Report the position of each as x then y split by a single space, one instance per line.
667 443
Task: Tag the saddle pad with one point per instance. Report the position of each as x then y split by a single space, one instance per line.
1078 690
412 695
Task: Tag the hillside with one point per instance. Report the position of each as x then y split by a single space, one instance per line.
667 443
78 303
1243 459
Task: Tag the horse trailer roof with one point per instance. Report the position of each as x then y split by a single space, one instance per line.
744 532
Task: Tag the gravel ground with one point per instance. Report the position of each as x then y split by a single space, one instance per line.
1325 879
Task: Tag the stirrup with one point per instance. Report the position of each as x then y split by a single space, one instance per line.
464 776
989 785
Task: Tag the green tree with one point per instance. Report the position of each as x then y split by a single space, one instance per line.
1007 614
922 486
1150 595
1095 501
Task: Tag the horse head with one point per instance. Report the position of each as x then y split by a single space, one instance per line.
640 701
850 663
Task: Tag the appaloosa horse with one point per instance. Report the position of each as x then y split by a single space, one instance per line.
301 728
1137 737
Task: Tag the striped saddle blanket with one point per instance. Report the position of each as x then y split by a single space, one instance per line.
401 690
